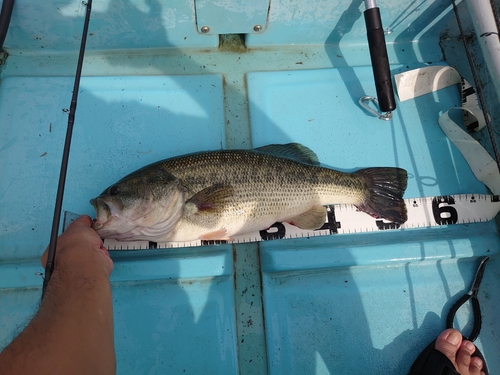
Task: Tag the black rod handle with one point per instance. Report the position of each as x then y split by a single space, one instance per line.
380 60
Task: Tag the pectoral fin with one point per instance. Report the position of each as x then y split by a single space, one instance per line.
312 219
210 199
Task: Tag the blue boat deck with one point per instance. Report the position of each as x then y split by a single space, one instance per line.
154 86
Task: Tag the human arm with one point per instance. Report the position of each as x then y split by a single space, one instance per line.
72 332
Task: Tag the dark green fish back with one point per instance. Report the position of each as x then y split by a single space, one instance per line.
255 171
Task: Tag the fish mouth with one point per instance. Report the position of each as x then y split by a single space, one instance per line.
103 212
96 225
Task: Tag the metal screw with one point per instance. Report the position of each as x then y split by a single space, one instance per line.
257 28
205 29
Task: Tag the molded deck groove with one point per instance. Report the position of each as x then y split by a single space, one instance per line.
249 310
175 61
237 122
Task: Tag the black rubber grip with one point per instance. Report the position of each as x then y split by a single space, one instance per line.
380 61
476 310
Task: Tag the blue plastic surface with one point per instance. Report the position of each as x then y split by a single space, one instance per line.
57 25
311 315
170 304
333 124
143 113
154 87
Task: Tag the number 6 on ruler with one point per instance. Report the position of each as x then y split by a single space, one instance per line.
443 213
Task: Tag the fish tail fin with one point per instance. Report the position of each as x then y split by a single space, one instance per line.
384 199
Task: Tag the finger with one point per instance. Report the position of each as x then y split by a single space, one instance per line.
82 227
84 221
81 220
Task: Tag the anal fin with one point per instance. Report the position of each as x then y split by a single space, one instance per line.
218 235
311 219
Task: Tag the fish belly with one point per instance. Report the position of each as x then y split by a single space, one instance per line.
251 215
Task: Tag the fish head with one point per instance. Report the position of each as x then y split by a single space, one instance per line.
144 205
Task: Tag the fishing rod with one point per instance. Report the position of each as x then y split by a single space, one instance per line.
49 267
5 16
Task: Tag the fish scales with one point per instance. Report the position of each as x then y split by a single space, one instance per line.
265 178
266 189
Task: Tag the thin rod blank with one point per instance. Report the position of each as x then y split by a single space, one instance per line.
49 267
5 16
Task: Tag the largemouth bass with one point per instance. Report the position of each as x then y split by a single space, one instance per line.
218 194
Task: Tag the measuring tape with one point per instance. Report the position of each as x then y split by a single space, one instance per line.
346 218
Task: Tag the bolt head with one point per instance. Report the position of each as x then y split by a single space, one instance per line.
205 29
257 28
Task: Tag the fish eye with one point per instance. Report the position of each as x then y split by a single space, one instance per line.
114 190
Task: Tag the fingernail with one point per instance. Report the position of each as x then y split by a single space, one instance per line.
454 338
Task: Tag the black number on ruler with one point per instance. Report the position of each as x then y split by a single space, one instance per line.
213 242
384 225
466 92
331 224
277 233
443 213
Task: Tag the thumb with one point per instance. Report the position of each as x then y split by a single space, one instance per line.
83 220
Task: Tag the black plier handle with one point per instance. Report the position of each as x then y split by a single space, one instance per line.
472 295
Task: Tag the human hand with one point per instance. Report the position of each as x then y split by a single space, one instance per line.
81 247
72 331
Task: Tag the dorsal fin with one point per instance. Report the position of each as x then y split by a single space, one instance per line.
294 151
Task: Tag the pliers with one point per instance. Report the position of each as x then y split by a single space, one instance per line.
472 295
